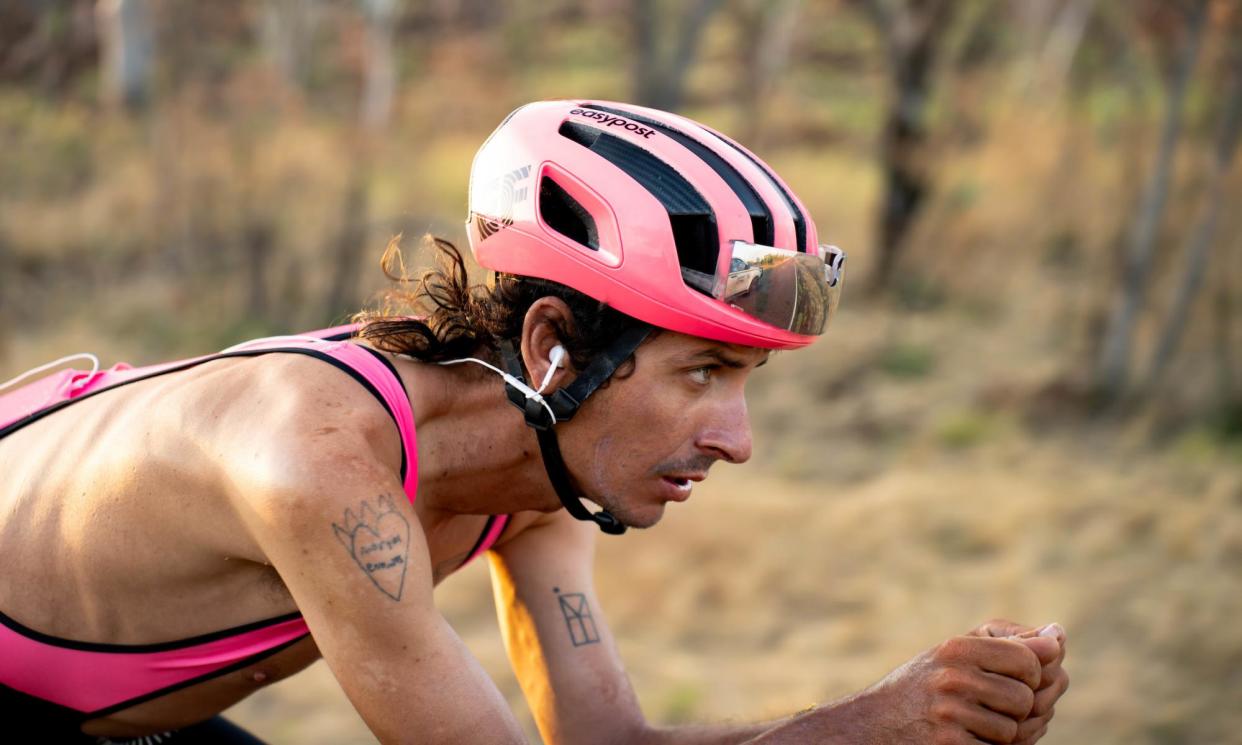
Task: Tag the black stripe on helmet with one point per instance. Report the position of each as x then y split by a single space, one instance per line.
764 232
798 218
691 217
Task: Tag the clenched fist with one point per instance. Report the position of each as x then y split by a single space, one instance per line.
995 684
1053 680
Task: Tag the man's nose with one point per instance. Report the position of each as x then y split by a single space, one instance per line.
728 437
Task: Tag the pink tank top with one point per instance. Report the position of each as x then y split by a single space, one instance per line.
94 680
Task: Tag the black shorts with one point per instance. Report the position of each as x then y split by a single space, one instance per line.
31 720
216 730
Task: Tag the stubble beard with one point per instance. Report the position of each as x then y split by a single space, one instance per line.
627 514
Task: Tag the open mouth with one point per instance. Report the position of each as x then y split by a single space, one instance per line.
680 486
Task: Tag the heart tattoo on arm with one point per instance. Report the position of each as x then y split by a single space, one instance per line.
379 542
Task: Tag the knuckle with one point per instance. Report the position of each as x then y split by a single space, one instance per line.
943 712
952 649
949 680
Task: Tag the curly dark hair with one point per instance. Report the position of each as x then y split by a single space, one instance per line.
439 315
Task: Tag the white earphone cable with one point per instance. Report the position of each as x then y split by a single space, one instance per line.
290 337
525 389
36 370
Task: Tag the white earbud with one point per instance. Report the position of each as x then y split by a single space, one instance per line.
554 361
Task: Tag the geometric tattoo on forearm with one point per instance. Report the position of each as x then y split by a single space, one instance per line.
379 542
577 617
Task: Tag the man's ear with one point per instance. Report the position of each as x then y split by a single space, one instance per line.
542 327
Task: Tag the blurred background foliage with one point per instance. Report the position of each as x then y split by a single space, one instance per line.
1035 374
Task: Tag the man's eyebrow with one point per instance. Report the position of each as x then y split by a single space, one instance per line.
719 357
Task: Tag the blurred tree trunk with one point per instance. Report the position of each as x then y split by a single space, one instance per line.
125 32
1113 365
380 77
660 74
912 33
1226 367
469 14
771 25
1061 47
643 24
260 243
1204 232
349 241
287 30
374 114
48 45
6 291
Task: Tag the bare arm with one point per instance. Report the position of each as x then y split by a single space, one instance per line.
335 523
562 650
565 658
969 689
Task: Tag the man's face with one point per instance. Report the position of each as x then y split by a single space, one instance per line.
645 439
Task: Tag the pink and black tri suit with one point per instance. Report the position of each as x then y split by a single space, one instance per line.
64 682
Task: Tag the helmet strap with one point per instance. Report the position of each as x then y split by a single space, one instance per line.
564 403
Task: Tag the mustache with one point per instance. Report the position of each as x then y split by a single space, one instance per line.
692 464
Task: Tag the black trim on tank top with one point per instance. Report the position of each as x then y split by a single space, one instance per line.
213 636
50 640
487 527
234 667
39 414
491 519
56 641
370 387
400 384
49 713
387 362
57 722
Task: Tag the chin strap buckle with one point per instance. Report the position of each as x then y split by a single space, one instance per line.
607 523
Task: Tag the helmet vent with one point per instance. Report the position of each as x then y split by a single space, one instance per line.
761 226
566 215
798 220
691 218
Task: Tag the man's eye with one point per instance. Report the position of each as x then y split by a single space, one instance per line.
702 375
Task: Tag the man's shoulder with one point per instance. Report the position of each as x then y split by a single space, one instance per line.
294 417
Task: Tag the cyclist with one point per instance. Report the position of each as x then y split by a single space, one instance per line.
189 532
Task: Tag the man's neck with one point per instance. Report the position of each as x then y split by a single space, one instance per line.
476 454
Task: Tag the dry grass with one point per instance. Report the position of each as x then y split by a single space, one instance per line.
925 467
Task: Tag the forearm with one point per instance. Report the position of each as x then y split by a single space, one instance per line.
844 722
725 733
812 725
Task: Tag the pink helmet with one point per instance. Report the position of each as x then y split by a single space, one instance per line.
660 217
